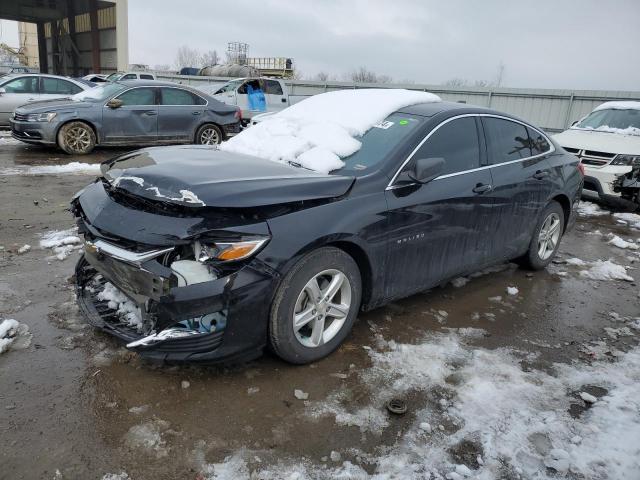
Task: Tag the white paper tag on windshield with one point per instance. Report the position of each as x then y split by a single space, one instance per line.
383 125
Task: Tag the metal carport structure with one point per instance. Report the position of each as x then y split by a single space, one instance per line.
74 37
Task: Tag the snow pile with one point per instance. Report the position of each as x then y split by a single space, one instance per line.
7 139
606 270
320 130
515 420
631 219
119 302
513 290
590 209
116 476
616 241
148 437
75 168
13 334
62 242
622 105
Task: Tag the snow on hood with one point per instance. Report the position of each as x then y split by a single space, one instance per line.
608 129
627 105
599 141
320 130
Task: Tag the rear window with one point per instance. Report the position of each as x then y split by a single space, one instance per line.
506 140
380 140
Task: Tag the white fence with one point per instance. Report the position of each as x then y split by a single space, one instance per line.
553 110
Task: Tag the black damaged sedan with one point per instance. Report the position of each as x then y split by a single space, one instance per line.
197 254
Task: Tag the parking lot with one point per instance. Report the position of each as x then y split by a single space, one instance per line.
491 375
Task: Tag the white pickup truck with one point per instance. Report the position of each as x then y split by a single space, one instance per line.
239 92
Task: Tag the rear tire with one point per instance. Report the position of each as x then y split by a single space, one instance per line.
546 238
76 138
304 326
209 134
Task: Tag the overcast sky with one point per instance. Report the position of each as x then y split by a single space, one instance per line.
574 44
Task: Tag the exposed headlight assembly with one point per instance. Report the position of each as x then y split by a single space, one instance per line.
629 160
225 251
41 117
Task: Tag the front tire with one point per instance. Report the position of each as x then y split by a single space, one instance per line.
546 238
76 138
315 306
209 134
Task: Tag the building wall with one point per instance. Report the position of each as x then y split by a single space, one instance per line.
28 35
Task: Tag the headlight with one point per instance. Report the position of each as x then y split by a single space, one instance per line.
629 160
228 251
41 117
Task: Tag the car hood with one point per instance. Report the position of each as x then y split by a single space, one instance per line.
599 141
53 105
199 176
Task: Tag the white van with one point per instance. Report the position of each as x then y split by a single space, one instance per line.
607 141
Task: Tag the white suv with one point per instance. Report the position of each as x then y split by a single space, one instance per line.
607 141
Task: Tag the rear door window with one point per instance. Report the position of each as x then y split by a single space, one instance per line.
538 142
146 76
129 76
272 87
56 86
506 140
139 96
22 85
177 96
457 143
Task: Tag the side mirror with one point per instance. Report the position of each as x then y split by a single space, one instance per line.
115 103
426 169
2 90
574 123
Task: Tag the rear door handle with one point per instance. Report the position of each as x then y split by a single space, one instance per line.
540 174
195 113
151 113
482 188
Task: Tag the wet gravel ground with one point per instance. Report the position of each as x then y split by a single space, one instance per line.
76 403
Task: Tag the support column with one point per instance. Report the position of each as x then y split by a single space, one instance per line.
122 34
43 59
71 18
95 36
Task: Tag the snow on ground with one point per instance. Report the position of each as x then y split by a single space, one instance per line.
119 302
61 242
148 437
616 241
116 476
7 139
318 131
631 219
590 209
606 270
517 419
13 335
74 168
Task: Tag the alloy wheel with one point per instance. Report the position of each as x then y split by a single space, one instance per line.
77 139
209 136
321 308
549 236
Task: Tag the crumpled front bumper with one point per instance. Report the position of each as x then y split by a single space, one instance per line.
237 303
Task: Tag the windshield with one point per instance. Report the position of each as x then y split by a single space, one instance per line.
611 119
228 87
98 94
380 140
114 77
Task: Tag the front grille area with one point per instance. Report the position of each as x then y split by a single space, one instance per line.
20 117
591 157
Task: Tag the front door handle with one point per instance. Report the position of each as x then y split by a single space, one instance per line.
284 100
540 174
195 113
482 188
150 113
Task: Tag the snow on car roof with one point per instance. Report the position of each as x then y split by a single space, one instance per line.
320 130
626 105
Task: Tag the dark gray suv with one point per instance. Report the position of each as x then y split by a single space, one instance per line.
127 113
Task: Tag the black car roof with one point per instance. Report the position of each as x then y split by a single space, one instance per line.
434 108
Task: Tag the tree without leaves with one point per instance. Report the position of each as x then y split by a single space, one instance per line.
187 57
210 58
363 75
